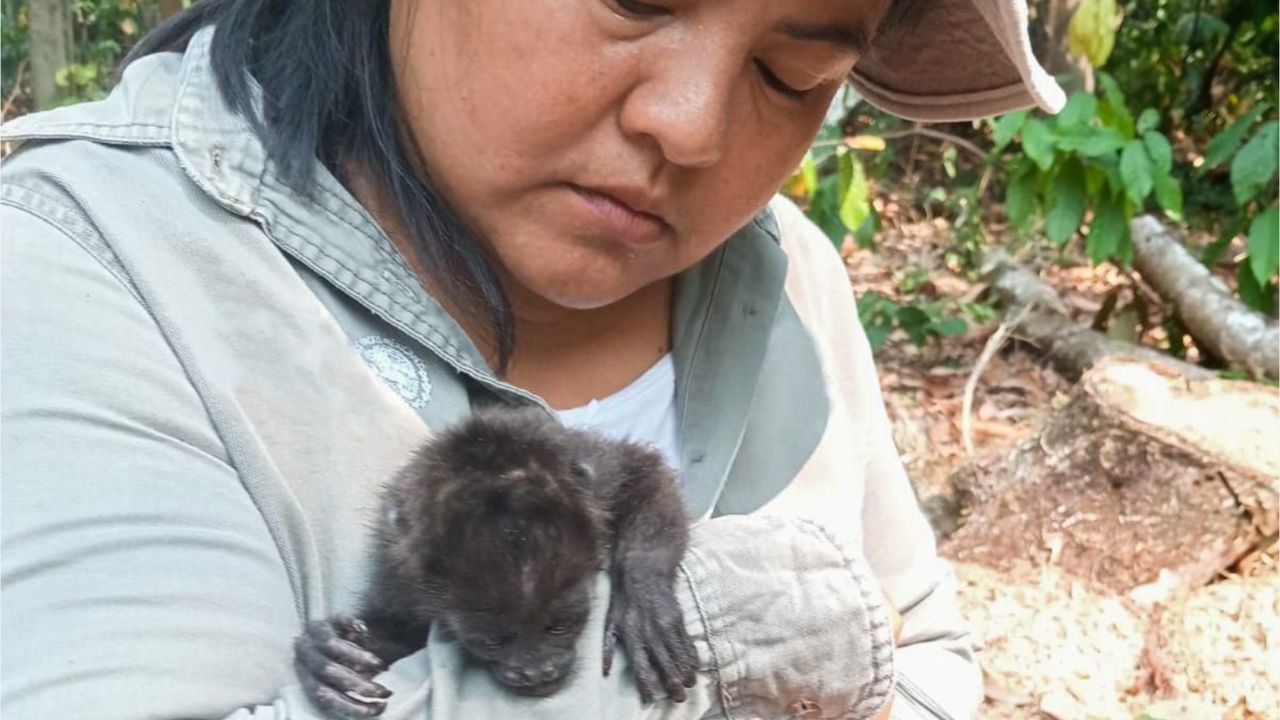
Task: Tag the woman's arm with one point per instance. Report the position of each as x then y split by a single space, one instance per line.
139 579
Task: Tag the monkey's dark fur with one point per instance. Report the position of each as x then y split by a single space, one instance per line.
494 533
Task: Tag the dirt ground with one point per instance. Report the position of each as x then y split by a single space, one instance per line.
1053 647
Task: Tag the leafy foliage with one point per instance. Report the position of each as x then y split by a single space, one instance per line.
102 32
1196 61
1093 155
920 320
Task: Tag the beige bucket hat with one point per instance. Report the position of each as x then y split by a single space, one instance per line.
957 60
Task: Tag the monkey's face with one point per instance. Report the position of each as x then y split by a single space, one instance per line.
529 647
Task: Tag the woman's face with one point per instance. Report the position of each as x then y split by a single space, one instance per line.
596 146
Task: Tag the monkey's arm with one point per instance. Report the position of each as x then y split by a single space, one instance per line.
649 532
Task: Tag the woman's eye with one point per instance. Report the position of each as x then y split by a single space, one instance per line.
776 83
631 8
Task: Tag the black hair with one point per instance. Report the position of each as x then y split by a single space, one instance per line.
329 95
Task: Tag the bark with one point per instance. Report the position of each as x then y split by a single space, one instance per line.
1049 34
1069 346
1221 324
50 40
1141 470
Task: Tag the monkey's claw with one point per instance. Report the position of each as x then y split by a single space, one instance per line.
336 667
650 627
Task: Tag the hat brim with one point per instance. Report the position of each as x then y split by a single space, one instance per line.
956 60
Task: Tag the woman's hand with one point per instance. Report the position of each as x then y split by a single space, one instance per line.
896 618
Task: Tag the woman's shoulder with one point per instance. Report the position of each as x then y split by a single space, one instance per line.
817 281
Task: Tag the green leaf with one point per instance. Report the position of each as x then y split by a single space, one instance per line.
1254 166
824 210
1251 291
950 326
1264 245
855 203
1209 30
1065 202
1093 142
1112 111
1169 195
1019 197
1224 144
1080 109
1091 34
1147 121
1037 143
876 313
1136 171
1111 92
809 171
913 322
1108 229
1159 149
1006 126
865 235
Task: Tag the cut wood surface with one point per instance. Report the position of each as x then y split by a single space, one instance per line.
1219 322
1071 348
1128 479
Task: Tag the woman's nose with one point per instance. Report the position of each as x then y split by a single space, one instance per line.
683 104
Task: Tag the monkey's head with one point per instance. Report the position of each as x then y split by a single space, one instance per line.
508 546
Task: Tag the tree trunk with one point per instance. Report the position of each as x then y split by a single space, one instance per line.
50 41
1071 347
1049 33
1141 470
1219 322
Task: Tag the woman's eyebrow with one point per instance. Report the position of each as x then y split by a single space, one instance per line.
846 37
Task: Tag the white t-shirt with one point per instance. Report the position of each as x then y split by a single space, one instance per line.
644 412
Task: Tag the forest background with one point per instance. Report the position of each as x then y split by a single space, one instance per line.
1075 323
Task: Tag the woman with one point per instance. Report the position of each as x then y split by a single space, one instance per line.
239 291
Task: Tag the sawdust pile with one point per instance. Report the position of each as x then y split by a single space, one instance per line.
1054 648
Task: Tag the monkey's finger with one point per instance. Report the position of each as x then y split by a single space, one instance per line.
610 646
681 647
336 675
646 678
350 627
668 670
323 637
339 704
611 634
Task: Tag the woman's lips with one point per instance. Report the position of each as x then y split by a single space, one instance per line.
620 220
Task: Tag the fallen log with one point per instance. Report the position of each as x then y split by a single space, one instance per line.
1221 324
1070 347
1142 470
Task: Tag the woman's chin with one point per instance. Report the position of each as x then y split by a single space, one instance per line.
582 290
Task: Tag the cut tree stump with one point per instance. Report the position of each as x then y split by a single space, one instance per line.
1071 348
1220 323
1141 470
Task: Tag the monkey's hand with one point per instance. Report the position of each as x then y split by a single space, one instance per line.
645 617
335 664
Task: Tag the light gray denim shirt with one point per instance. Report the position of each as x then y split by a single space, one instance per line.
207 378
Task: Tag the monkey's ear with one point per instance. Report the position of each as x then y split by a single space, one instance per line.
391 516
584 471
